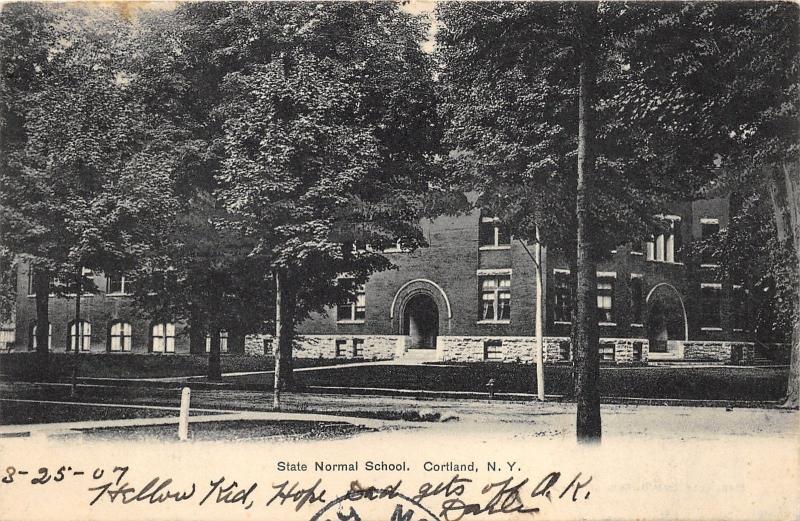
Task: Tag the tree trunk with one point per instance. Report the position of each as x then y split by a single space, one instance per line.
197 337
214 365
785 196
587 363
78 332
284 332
41 281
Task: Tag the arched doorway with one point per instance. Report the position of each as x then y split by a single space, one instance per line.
667 326
421 321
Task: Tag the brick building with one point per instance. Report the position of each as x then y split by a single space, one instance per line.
470 296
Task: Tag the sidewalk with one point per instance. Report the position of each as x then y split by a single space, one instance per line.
214 415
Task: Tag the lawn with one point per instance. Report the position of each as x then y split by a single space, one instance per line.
692 383
24 413
232 430
22 366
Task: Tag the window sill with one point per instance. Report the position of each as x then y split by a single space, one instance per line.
709 265
495 247
351 321
493 322
119 294
637 253
735 330
636 325
562 322
607 324
710 329
396 250
671 263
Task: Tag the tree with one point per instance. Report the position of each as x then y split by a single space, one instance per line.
329 134
76 190
734 93
201 272
538 100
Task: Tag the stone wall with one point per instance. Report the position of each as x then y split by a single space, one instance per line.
367 347
728 352
523 349
486 348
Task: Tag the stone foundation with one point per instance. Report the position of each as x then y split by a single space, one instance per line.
517 349
366 347
486 349
727 352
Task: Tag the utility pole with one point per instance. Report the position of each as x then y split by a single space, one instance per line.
538 322
78 332
538 327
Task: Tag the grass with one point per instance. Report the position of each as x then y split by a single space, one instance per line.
26 413
689 383
231 430
22 366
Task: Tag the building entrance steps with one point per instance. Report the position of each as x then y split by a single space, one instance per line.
416 356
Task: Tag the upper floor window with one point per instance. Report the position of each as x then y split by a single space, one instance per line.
562 296
637 299
492 233
82 334
162 337
120 336
495 298
32 342
355 310
709 227
711 306
118 284
666 246
739 311
223 342
605 297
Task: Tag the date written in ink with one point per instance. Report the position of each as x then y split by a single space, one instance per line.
40 476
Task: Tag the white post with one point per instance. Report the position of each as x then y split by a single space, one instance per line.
538 323
183 421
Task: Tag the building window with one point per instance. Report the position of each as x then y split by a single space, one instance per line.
31 287
223 342
120 337
562 297
739 311
32 343
564 351
358 348
493 350
492 233
341 348
637 299
84 331
606 351
708 229
496 298
605 298
162 337
353 311
710 306
117 285
666 246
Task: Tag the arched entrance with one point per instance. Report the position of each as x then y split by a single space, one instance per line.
667 325
421 321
